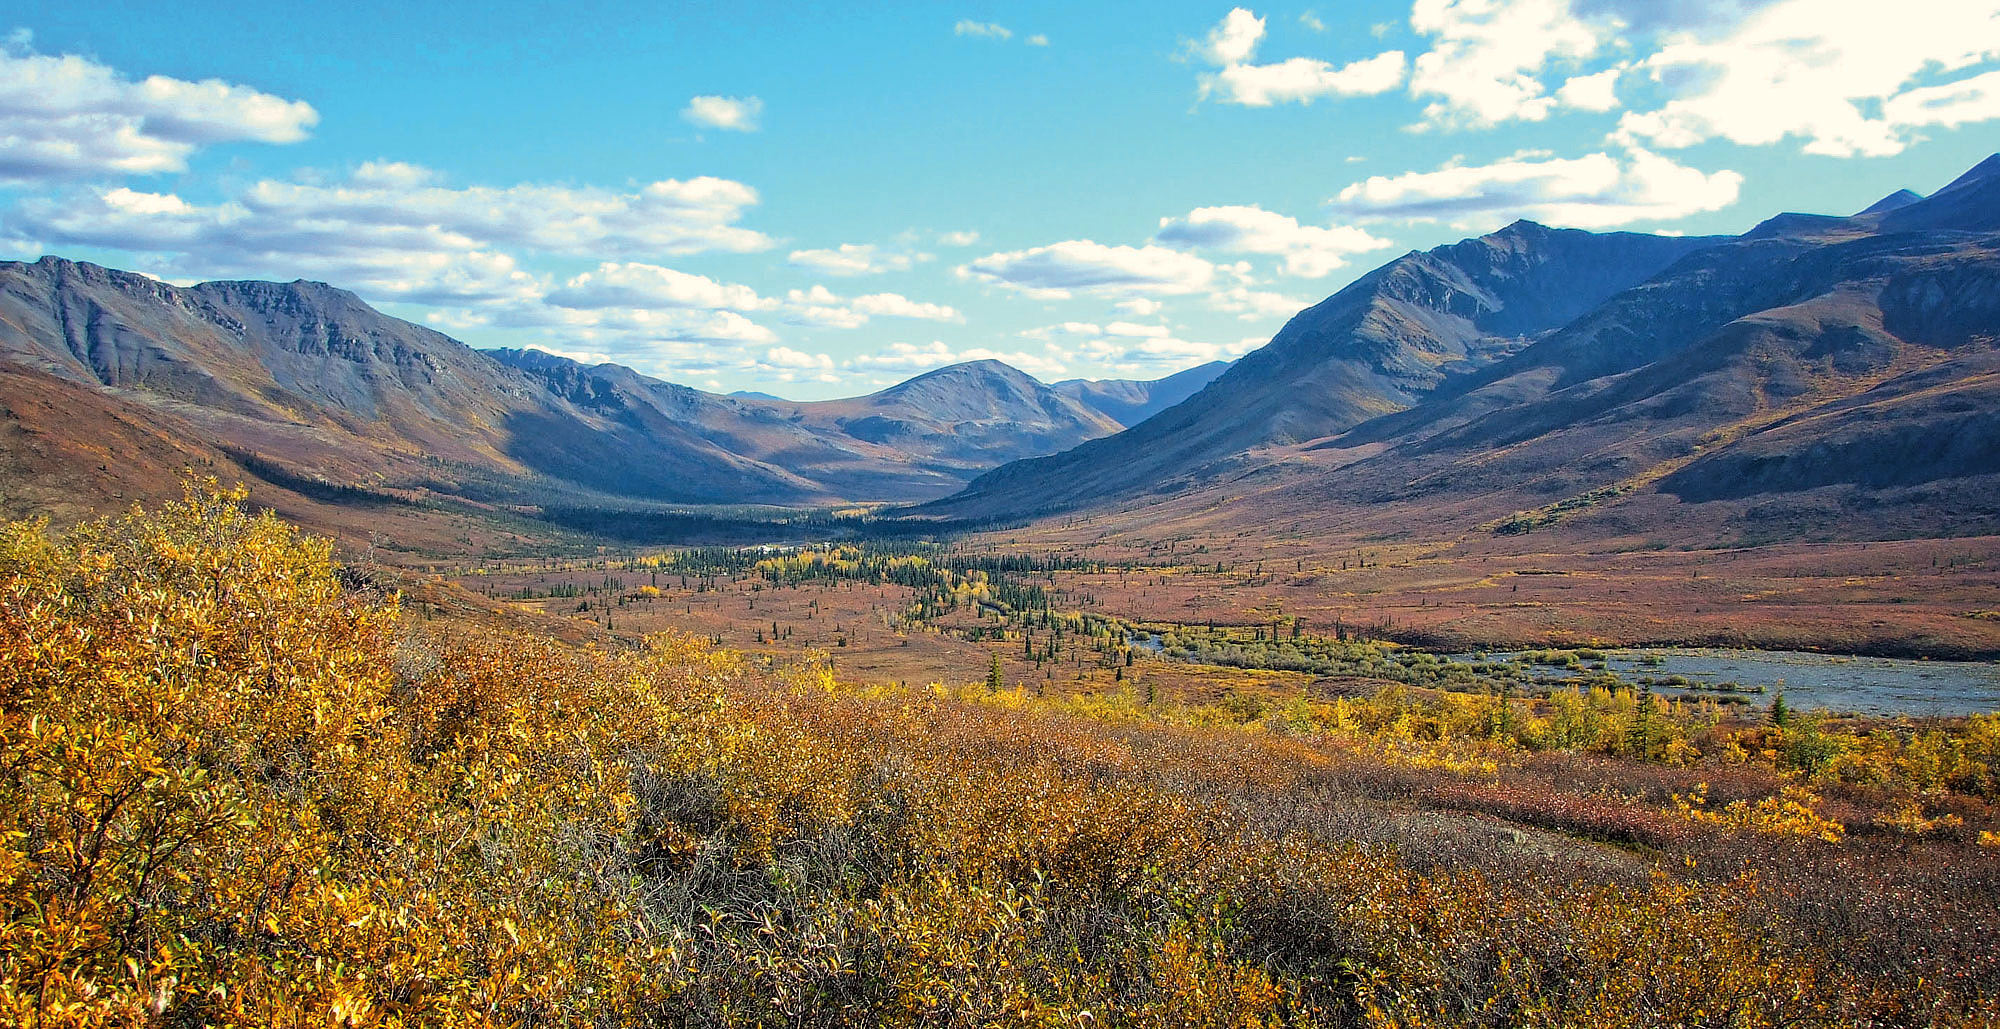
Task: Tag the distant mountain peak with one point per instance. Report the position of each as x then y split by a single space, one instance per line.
985 369
1898 199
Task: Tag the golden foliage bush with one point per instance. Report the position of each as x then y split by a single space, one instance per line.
238 793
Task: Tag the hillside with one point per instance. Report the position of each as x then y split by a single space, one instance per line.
921 438
1131 401
302 384
1818 377
1378 346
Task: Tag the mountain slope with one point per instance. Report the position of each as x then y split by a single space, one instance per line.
309 377
922 438
1376 347
1816 378
311 385
1129 402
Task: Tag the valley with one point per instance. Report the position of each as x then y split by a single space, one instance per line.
1447 635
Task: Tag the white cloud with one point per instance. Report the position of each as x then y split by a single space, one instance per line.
1054 271
1037 40
1232 43
733 113
391 232
912 358
1311 21
1065 330
1487 56
1947 106
962 238
628 326
69 117
671 216
900 357
1595 92
984 29
786 357
1303 80
651 286
1140 306
895 305
851 259
1253 305
1594 191
822 306
1234 39
1844 78
1134 330
1308 250
1128 347
1160 354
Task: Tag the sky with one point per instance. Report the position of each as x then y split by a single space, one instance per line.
821 200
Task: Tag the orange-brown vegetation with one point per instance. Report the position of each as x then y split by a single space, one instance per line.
241 792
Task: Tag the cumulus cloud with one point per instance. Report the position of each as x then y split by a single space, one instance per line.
651 286
392 231
1594 92
851 259
1594 191
731 113
1487 56
1037 39
786 357
1233 42
822 306
1140 306
1304 79
1056 271
961 238
66 117
1845 79
1308 250
895 305
1234 39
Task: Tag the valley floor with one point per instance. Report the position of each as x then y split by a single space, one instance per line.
248 788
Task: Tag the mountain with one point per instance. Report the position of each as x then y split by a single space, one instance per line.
1815 378
308 379
922 438
1129 401
306 386
1376 347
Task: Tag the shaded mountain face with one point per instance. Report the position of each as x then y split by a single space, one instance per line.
922 438
1818 377
1376 347
1129 402
307 378
310 385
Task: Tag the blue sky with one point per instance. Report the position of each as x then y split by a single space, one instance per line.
817 202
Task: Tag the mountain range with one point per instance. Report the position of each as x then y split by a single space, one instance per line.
1816 377
303 383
